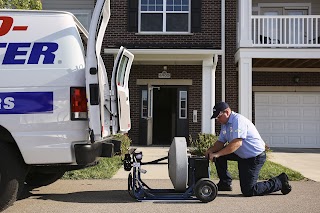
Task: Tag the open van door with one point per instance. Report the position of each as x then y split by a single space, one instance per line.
120 104
103 104
97 87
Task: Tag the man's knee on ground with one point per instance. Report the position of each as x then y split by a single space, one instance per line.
247 192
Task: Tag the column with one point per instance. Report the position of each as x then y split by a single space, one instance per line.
245 87
208 95
244 23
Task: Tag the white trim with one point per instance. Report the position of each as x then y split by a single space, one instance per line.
285 69
277 53
286 88
223 47
168 51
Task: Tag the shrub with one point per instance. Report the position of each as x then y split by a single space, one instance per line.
125 143
202 143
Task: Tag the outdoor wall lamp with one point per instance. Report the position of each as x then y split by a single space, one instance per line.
296 79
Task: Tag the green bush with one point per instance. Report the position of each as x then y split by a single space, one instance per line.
125 143
202 143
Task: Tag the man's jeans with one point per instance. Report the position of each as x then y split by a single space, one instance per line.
248 174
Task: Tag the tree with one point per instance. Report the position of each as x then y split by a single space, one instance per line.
21 4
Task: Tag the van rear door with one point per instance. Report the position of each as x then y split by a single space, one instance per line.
120 104
103 103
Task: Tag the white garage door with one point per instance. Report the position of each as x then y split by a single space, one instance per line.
288 119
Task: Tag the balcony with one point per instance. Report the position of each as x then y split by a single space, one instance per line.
301 31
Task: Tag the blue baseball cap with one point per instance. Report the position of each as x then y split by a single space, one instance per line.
219 107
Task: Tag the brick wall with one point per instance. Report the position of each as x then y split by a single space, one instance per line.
177 72
193 72
209 37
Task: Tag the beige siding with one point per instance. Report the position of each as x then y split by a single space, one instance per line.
315 4
68 4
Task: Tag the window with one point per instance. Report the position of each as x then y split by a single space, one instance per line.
164 16
84 16
122 70
183 105
144 104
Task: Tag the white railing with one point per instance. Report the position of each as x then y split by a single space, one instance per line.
286 31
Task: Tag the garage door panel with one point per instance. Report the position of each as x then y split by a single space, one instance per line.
294 140
293 100
310 140
294 112
288 119
293 127
277 99
310 100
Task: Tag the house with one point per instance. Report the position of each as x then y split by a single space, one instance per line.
259 56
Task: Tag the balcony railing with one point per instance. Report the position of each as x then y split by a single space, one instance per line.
286 31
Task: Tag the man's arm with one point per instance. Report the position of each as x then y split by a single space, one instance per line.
230 148
217 146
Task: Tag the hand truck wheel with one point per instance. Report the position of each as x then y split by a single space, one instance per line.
205 190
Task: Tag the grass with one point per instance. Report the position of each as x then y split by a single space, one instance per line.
268 171
109 166
106 168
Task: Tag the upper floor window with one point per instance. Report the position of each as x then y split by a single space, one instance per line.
164 16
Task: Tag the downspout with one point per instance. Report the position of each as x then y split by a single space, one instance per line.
223 48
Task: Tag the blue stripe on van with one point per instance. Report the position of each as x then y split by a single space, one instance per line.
26 102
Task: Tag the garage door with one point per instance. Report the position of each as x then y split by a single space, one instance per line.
288 119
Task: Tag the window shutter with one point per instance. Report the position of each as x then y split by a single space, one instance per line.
133 15
196 16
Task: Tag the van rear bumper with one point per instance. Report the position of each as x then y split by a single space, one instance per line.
88 153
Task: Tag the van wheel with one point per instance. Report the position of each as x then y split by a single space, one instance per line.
38 179
12 174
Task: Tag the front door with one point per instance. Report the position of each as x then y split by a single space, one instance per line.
163 114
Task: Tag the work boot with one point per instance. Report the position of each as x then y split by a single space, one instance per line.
286 187
224 187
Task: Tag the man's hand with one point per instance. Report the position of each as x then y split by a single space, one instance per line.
213 156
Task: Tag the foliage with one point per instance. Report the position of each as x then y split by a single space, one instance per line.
202 143
125 143
106 168
21 4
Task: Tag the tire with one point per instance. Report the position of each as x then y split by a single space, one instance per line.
205 190
37 179
12 174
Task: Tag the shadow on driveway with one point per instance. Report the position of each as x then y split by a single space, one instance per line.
112 196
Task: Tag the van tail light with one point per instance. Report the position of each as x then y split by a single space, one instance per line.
79 109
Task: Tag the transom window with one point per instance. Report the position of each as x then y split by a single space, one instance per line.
164 16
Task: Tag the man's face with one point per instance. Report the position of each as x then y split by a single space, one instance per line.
223 117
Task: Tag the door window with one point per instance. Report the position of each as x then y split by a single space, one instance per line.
144 104
183 105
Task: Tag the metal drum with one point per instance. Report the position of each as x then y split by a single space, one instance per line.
178 163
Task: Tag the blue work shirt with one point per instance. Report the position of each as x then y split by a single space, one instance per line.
239 126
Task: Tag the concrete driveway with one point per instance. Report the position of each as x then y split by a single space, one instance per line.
111 196
305 161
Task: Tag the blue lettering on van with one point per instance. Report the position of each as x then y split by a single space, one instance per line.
26 102
16 53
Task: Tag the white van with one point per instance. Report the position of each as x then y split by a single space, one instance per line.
57 111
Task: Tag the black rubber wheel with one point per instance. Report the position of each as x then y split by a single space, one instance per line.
12 173
205 190
38 179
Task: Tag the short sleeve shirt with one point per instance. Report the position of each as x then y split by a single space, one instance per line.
239 126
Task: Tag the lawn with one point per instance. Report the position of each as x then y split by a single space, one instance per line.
109 166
